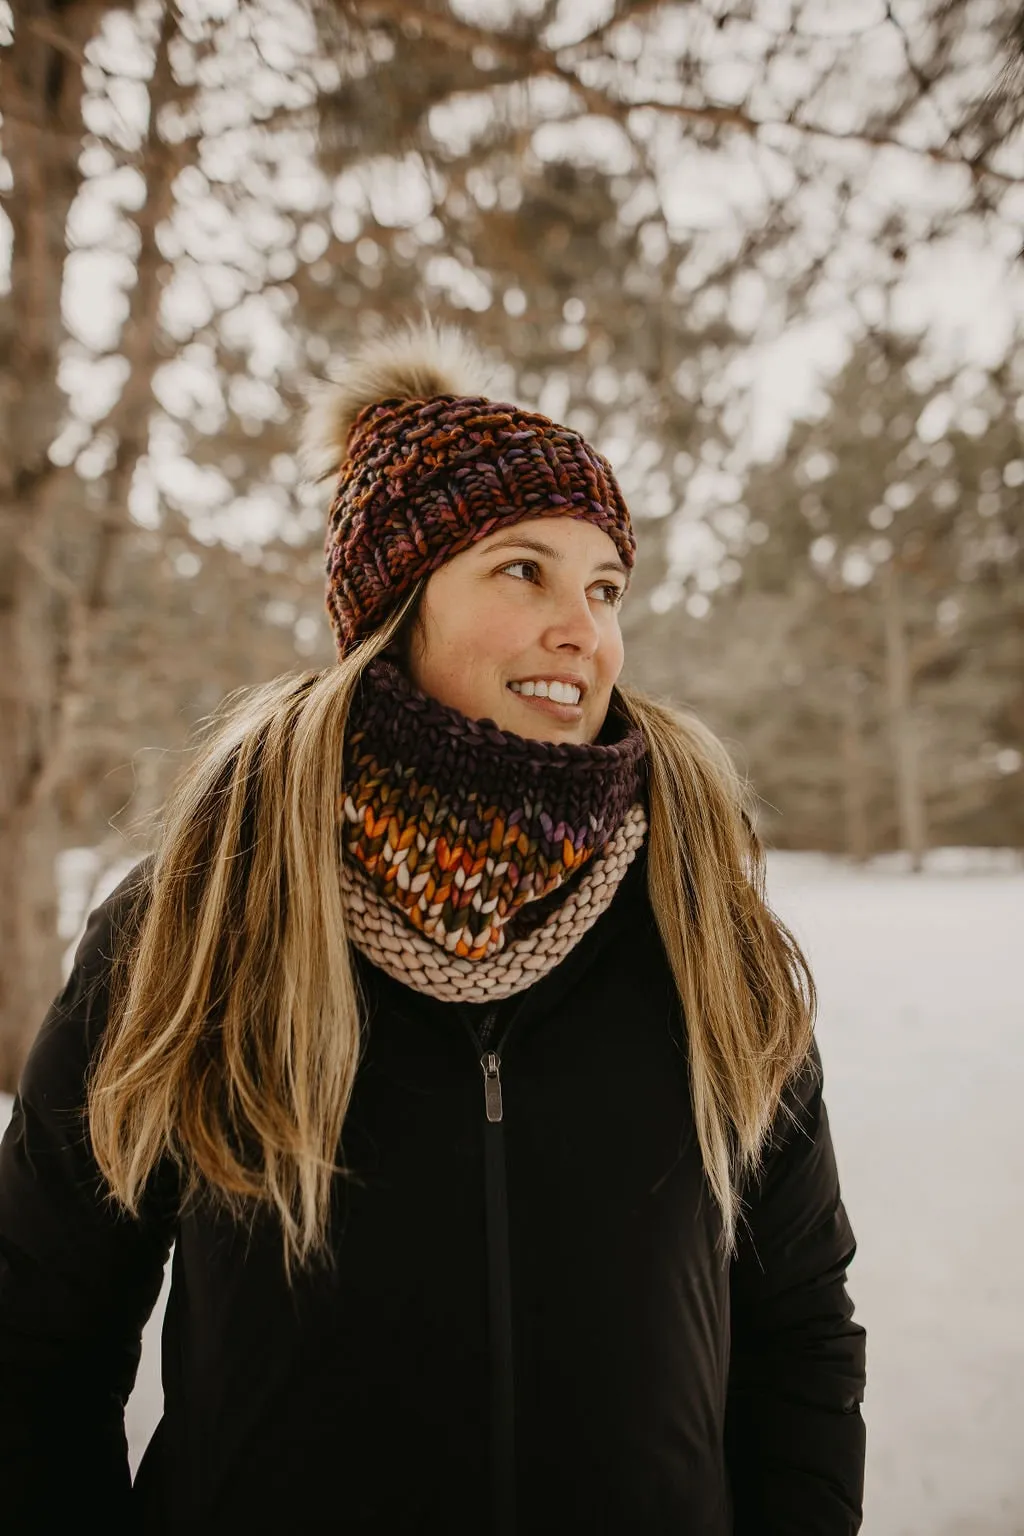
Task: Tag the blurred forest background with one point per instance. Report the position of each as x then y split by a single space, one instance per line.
768 255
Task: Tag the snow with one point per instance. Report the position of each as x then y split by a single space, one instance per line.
921 1033
920 1030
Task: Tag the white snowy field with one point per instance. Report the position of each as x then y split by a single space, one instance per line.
922 1034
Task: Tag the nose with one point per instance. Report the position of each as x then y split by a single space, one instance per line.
572 626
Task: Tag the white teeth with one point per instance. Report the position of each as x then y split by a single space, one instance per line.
562 693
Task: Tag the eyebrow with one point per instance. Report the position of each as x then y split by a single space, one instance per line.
515 542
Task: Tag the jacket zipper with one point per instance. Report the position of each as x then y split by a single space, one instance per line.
499 1278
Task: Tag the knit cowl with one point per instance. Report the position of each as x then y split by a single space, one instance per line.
473 858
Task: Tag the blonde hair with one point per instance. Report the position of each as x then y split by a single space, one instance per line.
746 990
234 1033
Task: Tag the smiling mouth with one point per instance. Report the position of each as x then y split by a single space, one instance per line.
557 692
557 699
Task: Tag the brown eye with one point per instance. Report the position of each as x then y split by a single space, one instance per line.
521 565
613 594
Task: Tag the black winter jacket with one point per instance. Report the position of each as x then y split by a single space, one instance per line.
527 1327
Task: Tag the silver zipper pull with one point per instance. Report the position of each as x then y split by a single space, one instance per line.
491 1063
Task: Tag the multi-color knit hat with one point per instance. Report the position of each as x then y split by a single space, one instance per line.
426 465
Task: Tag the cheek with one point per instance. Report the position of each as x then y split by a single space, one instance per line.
479 639
612 656
492 631
467 643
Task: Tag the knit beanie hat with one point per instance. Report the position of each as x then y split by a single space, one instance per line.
426 465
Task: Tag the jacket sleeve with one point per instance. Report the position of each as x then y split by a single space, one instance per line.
77 1277
795 1438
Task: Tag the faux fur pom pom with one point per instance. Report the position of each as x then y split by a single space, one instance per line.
414 363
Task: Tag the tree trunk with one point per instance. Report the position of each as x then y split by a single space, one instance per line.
42 131
855 771
909 798
51 622
127 422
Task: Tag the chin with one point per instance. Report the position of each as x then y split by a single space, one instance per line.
576 734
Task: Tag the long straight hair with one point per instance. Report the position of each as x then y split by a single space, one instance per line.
234 1031
746 989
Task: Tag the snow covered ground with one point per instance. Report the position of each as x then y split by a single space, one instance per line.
922 1034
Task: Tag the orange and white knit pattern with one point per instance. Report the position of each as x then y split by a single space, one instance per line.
377 929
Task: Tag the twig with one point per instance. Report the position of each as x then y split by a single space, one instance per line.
531 59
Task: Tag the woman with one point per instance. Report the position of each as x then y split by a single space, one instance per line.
449 1039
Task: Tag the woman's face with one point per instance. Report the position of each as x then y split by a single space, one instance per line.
523 628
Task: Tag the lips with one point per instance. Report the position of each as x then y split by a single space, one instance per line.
558 690
570 715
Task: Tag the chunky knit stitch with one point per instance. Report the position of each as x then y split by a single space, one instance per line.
378 929
459 825
424 479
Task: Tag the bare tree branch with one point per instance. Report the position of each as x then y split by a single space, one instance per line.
531 60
